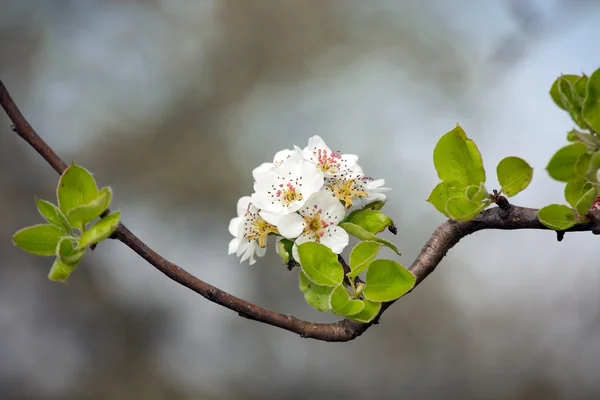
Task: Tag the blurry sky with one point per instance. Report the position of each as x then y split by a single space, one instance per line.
173 102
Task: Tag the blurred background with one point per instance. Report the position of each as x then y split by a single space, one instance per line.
173 102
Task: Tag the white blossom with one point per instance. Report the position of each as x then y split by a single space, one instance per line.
250 232
284 189
317 222
351 186
328 161
279 158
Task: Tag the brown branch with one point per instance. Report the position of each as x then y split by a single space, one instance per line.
442 240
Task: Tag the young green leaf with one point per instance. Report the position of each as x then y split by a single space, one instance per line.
591 105
462 209
557 216
562 164
387 280
284 249
40 239
514 175
591 141
580 89
372 221
457 160
60 271
86 213
341 304
368 313
554 92
440 195
76 187
586 201
593 168
100 230
315 295
374 205
362 234
475 193
362 255
320 264
53 215
571 101
67 252
574 190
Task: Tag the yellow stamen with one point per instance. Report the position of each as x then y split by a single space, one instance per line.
260 230
346 190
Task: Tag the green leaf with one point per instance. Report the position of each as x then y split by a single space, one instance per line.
514 175
457 160
68 252
53 215
589 140
475 193
562 164
586 201
372 221
320 264
571 101
574 190
341 304
84 214
362 255
100 230
369 312
40 239
554 92
580 89
374 205
60 271
363 234
387 280
315 295
76 187
440 195
284 249
591 105
593 167
463 209
557 216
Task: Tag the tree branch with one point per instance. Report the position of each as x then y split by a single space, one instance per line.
441 241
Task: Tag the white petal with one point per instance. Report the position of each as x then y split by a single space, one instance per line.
335 238
312 179
291 225
233 245
262 168
261 251
332 211
234 226
242 246
281 156
242 205
315 143
270 217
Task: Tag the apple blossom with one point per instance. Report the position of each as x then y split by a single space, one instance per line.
250 232
317 222
285 188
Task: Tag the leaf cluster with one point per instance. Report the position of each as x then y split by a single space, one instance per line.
69 230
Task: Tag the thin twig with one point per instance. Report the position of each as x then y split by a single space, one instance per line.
441 241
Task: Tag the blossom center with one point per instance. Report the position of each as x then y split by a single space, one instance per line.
315 225
346 190
256 228
287 194
328 161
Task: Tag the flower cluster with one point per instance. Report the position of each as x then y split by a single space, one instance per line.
302 196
